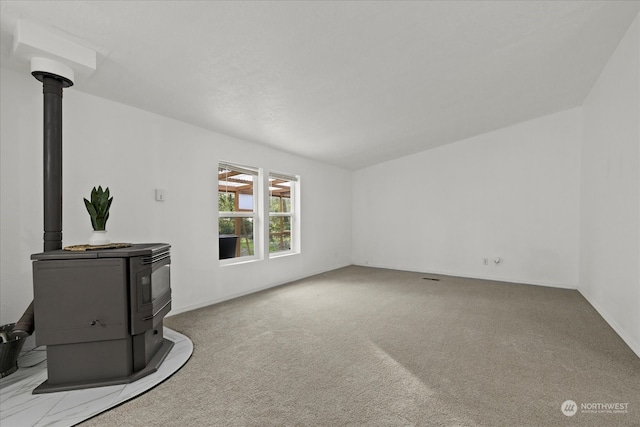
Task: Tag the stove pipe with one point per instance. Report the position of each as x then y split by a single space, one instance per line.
52 85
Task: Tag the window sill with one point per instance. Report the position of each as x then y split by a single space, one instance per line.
238 261
283 254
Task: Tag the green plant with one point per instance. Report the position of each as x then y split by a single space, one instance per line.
98 208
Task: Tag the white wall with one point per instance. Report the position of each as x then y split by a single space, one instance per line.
610 196
511 193
133 152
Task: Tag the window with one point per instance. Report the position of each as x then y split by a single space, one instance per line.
282 219
237 210
252 222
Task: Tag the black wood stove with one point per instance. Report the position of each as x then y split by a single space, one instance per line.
100 314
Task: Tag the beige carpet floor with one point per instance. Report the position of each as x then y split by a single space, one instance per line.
365 346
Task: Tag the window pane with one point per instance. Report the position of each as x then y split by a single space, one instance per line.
235 190
279 195
279 234
235 237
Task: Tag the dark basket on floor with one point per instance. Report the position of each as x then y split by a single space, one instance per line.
9 351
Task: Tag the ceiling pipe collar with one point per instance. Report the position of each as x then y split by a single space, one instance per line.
41 67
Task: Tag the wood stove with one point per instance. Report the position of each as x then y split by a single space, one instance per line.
100 314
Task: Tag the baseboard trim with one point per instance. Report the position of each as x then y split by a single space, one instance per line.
178 310
633 345
480 277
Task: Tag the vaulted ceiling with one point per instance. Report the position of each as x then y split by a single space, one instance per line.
350 83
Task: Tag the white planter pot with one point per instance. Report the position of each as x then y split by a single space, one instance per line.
99 238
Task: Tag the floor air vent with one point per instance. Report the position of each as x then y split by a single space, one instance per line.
431 278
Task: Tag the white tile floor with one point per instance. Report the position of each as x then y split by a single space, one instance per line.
19 407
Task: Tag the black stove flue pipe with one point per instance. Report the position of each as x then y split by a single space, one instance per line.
52 85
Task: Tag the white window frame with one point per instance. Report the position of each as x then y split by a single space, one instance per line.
293 215
255 215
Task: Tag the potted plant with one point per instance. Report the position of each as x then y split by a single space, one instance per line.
98 209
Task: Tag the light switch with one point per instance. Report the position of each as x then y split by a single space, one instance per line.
159 195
